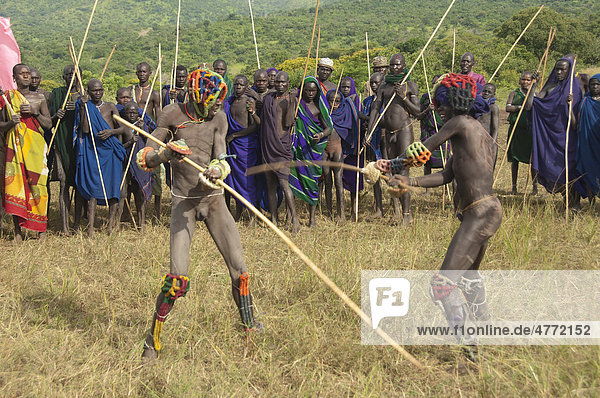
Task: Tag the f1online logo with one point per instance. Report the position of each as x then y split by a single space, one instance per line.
389 297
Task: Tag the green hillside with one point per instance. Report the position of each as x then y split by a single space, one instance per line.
283 29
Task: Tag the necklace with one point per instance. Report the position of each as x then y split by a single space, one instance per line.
141 91
199 120
101 103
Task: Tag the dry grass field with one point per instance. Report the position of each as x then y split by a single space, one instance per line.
75 311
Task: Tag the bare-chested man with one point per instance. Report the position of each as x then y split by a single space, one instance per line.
91 186
374 148
491 120
142 92
34 86
277 119
63 151
324 71
179 93
259 89
24 168
396 121
197 198
458 287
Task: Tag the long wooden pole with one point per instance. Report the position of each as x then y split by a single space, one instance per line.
91 130
408 74
368 63
176 49
320 274
160 75
336 90
76 64
107 61
453 47
567 142
142 118
317 53
515 43
510 136
445 187
552 33
254 33
358 162
312 38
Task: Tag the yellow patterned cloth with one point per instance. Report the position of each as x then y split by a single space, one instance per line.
25 193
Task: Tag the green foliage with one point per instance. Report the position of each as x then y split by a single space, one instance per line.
572 35
137 27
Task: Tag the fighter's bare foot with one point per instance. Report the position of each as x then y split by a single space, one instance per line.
149 354
514 191
42 236
18 238
407 219
534 191
295 226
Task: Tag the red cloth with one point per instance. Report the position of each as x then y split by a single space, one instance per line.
9 54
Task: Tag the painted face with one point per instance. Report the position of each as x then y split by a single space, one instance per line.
36 79
95 91
214 109
324 73
181 78
594 87
445 112
239 86
220 67
345 87
525 81
562 70
124 96
466 63
271 75
488 91
131 113
23 76
397 65
310 92
375 83
282 82
143 73
261 82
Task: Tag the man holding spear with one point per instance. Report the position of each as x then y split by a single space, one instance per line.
396 122
196 197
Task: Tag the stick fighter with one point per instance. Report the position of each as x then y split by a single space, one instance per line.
198 123
458 287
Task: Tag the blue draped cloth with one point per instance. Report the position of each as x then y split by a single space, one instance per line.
588 145
246 150
110 155
548 120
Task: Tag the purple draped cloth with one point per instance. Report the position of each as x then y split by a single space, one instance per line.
345 121
548 120
274 148
246 150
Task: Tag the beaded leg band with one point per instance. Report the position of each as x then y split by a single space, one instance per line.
173 287
245 305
